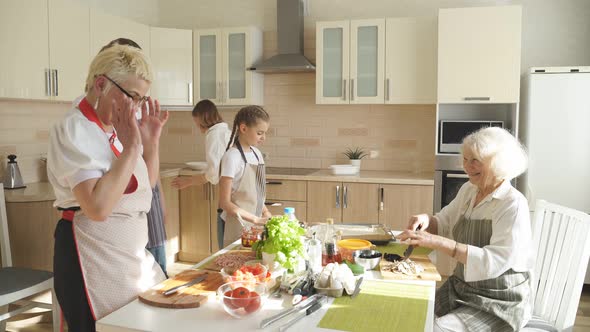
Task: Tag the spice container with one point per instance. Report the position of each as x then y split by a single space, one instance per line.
251 234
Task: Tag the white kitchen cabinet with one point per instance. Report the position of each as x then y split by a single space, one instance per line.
171 53
221 61
350 58
479 54
105 27
410 60
45 51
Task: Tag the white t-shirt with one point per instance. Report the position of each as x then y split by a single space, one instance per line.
216 140
232 164
78 151
511 242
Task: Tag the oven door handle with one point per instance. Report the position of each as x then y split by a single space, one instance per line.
457 176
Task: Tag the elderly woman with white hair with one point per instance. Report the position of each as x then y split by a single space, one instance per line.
487 229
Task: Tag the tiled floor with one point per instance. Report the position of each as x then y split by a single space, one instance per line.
40 321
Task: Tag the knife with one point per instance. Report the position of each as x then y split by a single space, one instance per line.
302 313
301 305
357 288
183 286
410 248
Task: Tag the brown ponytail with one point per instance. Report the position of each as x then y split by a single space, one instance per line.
248 115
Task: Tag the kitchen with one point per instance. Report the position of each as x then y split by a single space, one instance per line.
304 133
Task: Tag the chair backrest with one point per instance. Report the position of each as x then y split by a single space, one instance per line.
560 235
4 240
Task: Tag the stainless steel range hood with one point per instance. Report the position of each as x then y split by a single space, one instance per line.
290 41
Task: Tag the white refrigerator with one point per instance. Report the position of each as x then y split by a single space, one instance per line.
555 127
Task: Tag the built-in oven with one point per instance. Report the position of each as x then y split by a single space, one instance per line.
446 186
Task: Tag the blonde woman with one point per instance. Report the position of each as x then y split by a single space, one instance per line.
102 165
487 229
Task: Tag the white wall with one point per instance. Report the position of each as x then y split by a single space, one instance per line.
555 32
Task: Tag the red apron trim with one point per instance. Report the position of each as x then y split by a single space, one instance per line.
82 273
68 215
90 114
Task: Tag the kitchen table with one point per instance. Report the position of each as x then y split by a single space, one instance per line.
137 316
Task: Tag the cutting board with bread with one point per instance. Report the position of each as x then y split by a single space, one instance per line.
430 272
190 297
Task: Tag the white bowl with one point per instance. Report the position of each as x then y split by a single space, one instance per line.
344 169
198 165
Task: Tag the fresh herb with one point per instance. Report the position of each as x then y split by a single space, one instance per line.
356 153
282 237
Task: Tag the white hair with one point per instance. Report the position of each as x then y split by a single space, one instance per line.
504 154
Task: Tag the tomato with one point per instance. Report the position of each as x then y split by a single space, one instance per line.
228 301
254 302
240 297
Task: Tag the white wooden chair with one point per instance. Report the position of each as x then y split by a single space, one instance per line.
560 236
17 284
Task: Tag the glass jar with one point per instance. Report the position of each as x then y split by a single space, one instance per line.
251 234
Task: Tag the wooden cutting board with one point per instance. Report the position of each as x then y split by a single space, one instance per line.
430 271
210 264
191 297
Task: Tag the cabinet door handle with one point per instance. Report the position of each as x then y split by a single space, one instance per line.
56 83
382 198
352 89
345 196
338 197
343 89
269 203
274 182
47 83
387 89
190 93
477 98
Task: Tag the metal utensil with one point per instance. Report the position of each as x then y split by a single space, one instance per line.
183 286
302 313
301 305
357 288
410 248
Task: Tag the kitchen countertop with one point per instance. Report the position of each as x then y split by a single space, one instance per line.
42 191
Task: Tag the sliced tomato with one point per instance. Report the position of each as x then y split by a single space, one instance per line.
240 297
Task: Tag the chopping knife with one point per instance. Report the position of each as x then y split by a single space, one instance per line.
410 248
302 313
300 306
183 286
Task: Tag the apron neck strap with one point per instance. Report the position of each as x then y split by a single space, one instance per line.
239 146
90 114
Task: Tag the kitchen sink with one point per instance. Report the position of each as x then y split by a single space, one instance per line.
290 171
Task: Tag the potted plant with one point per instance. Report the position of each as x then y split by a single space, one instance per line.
281 241
355 155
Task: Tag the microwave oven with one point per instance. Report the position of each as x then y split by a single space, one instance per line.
452 132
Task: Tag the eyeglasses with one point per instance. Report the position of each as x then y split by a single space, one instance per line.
137 99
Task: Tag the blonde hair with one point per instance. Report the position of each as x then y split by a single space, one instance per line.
118 62
503 153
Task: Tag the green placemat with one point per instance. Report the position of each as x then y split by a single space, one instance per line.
398 248
380 306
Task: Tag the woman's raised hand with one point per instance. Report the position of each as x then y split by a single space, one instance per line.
152 121
422 220
124 122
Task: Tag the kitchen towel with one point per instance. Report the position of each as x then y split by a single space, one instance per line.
380 306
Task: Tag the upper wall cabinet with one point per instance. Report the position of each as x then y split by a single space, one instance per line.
479 54
221 61
350 58
410 60
45 52
172 59
105 27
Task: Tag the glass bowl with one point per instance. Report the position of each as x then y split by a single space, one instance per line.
250 271
242 298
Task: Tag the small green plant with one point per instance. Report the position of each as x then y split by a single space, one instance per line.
356 153
282 237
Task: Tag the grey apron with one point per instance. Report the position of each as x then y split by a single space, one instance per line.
249 196
499 304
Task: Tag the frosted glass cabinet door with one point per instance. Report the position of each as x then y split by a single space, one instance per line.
367 60
207 65
236 66
332 55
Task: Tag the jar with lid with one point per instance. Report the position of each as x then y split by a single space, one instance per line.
251 234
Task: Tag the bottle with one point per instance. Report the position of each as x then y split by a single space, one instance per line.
290 212
314 252
330 254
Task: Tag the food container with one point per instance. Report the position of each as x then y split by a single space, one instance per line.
241 299
332 292
348 246
251 271
369 259
251 234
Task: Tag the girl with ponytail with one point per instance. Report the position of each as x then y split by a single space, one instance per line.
242 184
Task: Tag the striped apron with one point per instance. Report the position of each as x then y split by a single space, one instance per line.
249 196
498 304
